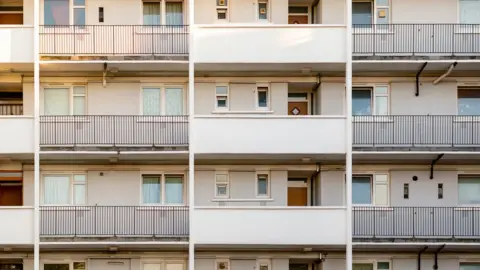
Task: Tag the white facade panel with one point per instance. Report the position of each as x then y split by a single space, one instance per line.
17 135
16 226
16 44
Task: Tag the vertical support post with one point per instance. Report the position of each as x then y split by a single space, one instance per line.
191 140
349 130
36 134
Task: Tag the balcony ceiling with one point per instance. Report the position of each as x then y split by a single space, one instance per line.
122 246
416 158
270 69
417 247
399 68
124 69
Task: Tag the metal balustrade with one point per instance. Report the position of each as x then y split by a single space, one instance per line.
11 109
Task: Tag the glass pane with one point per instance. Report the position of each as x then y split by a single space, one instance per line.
151 101
78 105
174 14
55 266
79 266
55 101
262 99
56 189
362 13
80 178
79 2
262 11
262 186
222 2
221 90
469 266
383 265
221 102
383 3
361 190
151 189
469 191
361 102
298 10
174 189
79 194
151 14
362 266
174 101
470 11
469 106
79 90
79 16
55 12
381 106
221 190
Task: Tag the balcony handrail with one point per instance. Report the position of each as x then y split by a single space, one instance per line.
273 208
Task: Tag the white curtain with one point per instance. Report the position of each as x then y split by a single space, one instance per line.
56 101
151 14
470 11
151 101
56 189
174 14
151 190
173 101
173 190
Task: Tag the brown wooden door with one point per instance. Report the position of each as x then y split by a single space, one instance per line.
297 19
11 195
297 108
11 18
297 196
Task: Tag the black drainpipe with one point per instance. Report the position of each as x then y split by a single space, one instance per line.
435 263
312 181
419 260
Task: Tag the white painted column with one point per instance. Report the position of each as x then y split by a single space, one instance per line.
36 134
191 129
349 130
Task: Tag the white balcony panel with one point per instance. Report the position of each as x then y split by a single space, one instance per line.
16 44
17 135
16 226
270 44
270 226
269 135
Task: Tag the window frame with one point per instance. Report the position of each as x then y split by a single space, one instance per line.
227 95
222 8
163 12
163 188
257 10
71 97
259 174
374 263
227 196
375 7
163 100
163 263
466 176
466 88
71 14
373 97
222 260
265 87
372 190
71 188
300 14
261 262
64 261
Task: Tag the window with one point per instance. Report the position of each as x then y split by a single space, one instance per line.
468 189
162 189
162 100
469 11
440 190
58 12
263 10
64 266
406 191
371 266
222 10
263 185
262 97
468 100
168 265
163 13
362 13
221 185
365 13
469 266
370 189
263 264
221 97
222 264
370 100
64 189
65 101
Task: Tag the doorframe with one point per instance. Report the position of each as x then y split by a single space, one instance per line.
300 14
307 100
307 185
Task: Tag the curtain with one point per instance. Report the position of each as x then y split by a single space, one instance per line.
470 11
151 101
56 189
173 189
174 14
174 101
151 14
362 190
151 190
55 12
56 101
469 191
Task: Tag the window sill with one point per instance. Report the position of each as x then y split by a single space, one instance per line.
243 200
243 112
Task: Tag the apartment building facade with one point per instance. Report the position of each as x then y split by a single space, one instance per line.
233 134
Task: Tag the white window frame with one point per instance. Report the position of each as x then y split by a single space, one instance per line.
223 8
374 183
226 96
464 175
374 95
376 7
262 86
71 190
227 183
65 261
257 10
264 262
374 263
71 13
163 100
163 263
163 11
269 184
218 261
71 96
163 189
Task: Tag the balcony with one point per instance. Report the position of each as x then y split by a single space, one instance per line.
458 224
270 44
154 223
279 226
16 45
114 42
111 132
416 132
288 135
395 41
16 227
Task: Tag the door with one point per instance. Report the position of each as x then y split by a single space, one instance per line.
11 195
11 18
297 192
297 19
297 108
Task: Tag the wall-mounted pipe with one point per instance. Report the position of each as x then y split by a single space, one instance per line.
417 79
419 259
450 69
312 181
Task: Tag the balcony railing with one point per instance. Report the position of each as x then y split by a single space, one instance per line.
11 109
416 40
130 40
421 223
114 221
416 131
114 131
